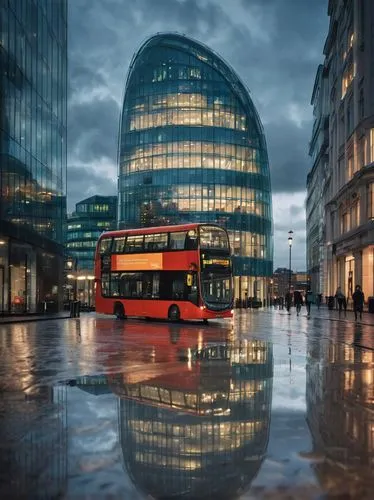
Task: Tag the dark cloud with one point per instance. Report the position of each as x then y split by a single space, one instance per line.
85 182
289 162
297 210
274 46
296 226
93 129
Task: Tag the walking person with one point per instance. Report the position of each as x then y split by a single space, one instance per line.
288 302
319 300
298 301
358 301
309 300
342 301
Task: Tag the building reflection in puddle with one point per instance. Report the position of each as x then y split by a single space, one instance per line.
198 429
33 457
193 408
340 404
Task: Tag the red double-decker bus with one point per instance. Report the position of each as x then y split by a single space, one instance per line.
171 272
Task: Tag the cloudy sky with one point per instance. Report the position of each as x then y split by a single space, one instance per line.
274 45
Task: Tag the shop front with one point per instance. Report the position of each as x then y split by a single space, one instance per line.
29 278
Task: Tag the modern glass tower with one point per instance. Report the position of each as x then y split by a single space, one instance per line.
92 216
33 60
192 149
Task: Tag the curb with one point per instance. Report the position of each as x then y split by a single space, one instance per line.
282 312
30 320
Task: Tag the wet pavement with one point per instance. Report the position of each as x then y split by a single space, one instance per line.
264 406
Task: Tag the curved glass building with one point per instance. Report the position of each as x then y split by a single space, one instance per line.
192 149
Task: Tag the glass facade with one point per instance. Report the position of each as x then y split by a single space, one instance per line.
92 216
33 59
192 149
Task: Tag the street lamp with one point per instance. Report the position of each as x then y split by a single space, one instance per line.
290 233
271 292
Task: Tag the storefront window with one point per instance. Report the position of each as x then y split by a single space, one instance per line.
22 278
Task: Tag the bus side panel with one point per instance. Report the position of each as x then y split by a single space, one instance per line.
180 261
158 309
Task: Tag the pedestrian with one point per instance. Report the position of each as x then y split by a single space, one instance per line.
342 301
309 300
358 301
298 301
319 300
288 302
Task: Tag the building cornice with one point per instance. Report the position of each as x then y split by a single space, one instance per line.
353 183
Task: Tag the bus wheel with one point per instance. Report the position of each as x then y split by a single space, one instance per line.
119 311
174 313
205 321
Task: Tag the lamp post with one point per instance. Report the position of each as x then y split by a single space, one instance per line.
290 233
71 268
271 292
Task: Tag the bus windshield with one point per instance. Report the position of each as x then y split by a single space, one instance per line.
216 289
215 238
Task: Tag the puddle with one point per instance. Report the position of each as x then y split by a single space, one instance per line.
192 414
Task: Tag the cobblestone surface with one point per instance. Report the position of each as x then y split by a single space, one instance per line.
269 405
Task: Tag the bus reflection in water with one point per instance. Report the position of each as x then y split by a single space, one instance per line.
201 431
159 342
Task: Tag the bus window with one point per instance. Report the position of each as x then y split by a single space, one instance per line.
191 240
134 244
155 242
177 291
105 244
177 240
105 291
173 285
191 284
142 285
118 245
213 237
115 281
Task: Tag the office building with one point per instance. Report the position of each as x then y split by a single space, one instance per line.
33 59
316 182
92 216
348 185
192 149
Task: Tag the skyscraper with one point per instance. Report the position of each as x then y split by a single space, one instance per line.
192 149
33 59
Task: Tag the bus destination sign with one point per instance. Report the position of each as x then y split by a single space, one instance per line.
216 262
